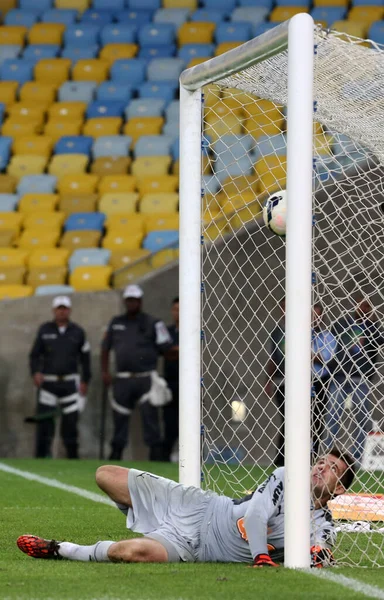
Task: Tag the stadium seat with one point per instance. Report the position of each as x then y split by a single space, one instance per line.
37 202
103 126
162 222
191 4
76 53
17 129
376 32
153 145
118 203
74 144
38 276
123 258
52 70
111 145
272 173
159 51
38 5
165 69
275 145
93 69
98 17
7 237
21 111
366 14
77 91
172 112
46 33
233 147
175 16
111 165
110 108
158 240
16 69
283 13
53 290
112 90
203 15
5 150
8 201
122 240
13 257
25 18
11 221
89 221
118 33
156 34
8 90
50 257
80 5
71 111
117 183
147 166
44 220
70 203
161 90
9 51
328 14
161 183
26 164
159 202
143 126
13 34
145 107
251 14
68 164
189 51
82 34
89 256
354 28
39 238
91 278
171 130
196 33
42 94
72 240
10 292
59 129
112 5
131 71
126 222
143 4
262 28
113 52
233 32
225 47
66 16
84 183
37 184
136 17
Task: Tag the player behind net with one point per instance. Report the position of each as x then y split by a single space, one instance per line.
184 523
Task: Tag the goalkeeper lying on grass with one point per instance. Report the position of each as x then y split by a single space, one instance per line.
182 523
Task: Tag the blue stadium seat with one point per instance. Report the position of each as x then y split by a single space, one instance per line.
226 5
54 290
328 13
109 108
112 90
165 69
74 144
176 16
36 52
98 17
367 2
143 4
175 149
306 3
242 166
82 221
252 14
82 34
37 5
172 112
155 34
88 256
189 51
157 240
209 15
59 15
75 53
118 33
129 70
8 202
5 149
267 3
2 111
233 147
9 51
17 69
145 107
111 145
166 90
161 51
234 31
37 184
27 18
376 32
153 145
77 91
171 129
135 17
274 145
210 184
262 28
112 5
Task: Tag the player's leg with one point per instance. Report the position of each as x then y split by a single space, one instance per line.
113 480
69 401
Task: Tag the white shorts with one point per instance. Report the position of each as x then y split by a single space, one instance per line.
168 512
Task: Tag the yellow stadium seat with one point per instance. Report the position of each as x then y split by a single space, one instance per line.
138 126
11 221
39 238
68 164
118 203
283 13
161 183
12 275
7 184
150 166
271 182
103 126
161 222
354 28
218 228
164 257
52 221
212 93
72 240
133 222
10 292
117 183
257 126
26 164
39 145
52 70
40 93
223 110
225 47
159 203
20 129
323 144
7 237
38 203
46 33
331 3
122 240
83 183
366 14
20 112
46 275
91 278
63 111
12 34
112 52
80 5
91 69
196 32
270 164
48 257
57 129
13 257
233 186
7 5
123 258
8 91
197 61
70 203
216 127
111 165
191 4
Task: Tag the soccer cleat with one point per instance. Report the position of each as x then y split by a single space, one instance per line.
321 557
264 560
38 547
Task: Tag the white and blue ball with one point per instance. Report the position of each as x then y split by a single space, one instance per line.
275 212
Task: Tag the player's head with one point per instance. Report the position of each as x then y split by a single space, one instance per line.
132 296
332 475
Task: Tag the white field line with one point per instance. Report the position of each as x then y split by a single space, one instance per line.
355 585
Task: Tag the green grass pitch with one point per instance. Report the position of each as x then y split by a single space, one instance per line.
31 507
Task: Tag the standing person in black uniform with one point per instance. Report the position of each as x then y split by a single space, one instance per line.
59 347
171 375
137 339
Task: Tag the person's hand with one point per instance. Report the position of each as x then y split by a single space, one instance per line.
83 388
321 557
264 560
38 379
269 388
107 379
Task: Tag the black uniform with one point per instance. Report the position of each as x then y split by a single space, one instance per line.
171 410
57 353
278 358
136 342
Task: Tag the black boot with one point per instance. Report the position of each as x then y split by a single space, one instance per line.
116 453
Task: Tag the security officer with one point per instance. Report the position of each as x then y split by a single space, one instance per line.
137 339
59 347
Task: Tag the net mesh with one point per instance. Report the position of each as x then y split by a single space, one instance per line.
243 272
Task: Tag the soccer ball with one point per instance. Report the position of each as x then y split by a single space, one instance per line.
275 212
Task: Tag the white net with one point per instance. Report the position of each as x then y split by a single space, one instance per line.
243 274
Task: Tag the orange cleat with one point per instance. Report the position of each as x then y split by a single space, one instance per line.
38 547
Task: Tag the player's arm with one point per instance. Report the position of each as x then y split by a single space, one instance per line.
35 358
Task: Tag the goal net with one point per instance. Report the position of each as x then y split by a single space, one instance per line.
244 149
